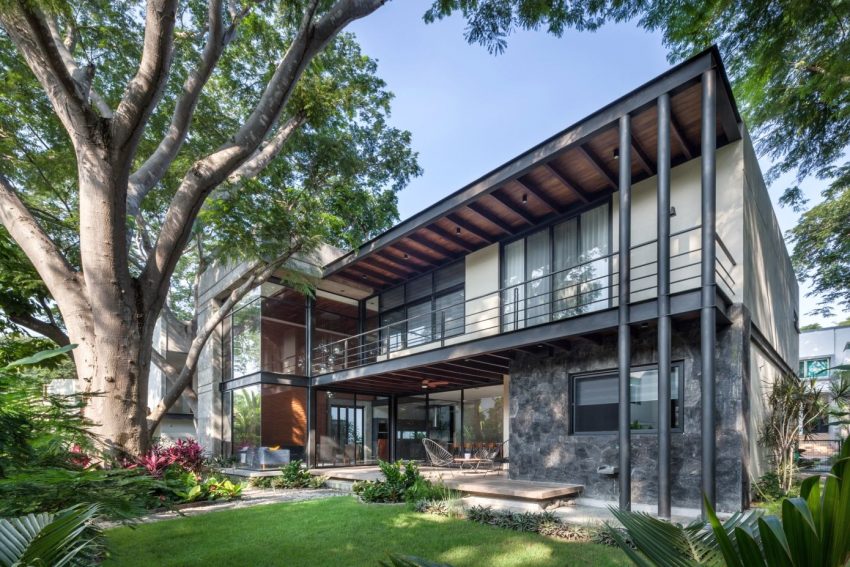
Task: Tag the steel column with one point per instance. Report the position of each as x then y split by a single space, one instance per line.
311 392
708 336
393 416
664 323
624 338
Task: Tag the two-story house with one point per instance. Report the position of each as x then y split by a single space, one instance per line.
618 295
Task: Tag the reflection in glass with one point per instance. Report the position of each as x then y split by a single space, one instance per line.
268 425
411 427
351 429
483 417
245 426
245 337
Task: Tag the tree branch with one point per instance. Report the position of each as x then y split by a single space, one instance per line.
145 89
82 77
153 169
263 156
182 380
28 29
55 271
208 172
49 330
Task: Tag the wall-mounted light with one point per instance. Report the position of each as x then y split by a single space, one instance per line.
525 198
672 211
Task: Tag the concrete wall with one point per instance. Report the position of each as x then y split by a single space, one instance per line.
542 447
770 286
685 197
482 282
763 374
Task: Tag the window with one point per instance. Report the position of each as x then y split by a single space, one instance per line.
595 400
415 313
814 368
557 272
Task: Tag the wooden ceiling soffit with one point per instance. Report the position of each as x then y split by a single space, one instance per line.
566 183
514 208
474 230
678 134
530 186
457 241
643 159
490 217
432 245
597 165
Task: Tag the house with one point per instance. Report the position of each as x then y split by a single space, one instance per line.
546 309
821 350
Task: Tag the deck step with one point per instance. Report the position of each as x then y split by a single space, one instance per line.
519 489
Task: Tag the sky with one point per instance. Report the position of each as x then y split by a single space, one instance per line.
470 111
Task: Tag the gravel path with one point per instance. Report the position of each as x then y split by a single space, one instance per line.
250 497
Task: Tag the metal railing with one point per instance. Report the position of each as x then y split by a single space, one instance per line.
818 455
589 286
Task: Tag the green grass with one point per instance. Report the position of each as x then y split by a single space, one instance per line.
339 531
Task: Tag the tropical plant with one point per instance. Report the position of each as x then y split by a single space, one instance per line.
402 483
793 404
812 531
246 417
68 537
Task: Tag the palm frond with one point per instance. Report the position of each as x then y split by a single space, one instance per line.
49 539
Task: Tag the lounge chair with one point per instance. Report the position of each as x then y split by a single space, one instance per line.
438 456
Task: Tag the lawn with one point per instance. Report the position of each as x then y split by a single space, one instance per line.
339 531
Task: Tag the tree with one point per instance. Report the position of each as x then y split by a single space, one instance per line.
793 406
145 130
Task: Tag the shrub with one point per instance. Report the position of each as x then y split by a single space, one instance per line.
190 487
402 483
293 475
185 454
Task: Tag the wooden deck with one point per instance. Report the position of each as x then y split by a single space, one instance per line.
495 485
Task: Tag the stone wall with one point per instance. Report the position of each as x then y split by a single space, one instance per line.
542 447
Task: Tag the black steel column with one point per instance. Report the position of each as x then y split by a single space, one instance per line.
664 328
707 315
624 335
392 426
311 392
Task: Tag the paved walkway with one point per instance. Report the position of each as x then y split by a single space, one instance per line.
250 497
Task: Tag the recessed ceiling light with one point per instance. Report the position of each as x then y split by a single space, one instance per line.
616 153
457 230
525 198
406 256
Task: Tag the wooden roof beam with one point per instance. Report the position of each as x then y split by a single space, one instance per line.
570 186
479 210
406 250
676 130
519 211
462 224
432 245
532 188
597 164
460 242
380 257
365 270
643 159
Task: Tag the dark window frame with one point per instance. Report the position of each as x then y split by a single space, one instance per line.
574 377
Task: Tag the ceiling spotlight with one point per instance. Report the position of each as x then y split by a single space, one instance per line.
363 276
406 256
424 386
457 230
525 198
616 153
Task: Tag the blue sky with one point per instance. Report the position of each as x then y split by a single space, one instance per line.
470 111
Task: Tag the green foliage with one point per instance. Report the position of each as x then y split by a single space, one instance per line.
65 538
293 475
812 530
402 483
192 488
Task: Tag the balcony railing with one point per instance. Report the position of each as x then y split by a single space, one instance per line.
589 286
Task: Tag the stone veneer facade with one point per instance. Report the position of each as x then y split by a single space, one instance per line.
542 447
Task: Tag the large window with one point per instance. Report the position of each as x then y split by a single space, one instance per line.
351 429
268 425
595 400
423 310
557 272
814 368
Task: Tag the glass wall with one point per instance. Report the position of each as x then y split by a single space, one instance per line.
557 272
411 427
424 309
335 319
351 429
483 417
444 411
268 425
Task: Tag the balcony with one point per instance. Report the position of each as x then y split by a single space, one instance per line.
586 288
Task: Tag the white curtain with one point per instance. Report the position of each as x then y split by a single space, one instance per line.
594 268
538 270
565 273
513 295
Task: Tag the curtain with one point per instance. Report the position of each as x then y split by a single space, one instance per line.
538 270
565 270
514 292
594 268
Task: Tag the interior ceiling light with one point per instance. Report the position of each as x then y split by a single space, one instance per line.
616 153
406 256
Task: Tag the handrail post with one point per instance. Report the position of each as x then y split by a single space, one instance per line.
516 308
443 328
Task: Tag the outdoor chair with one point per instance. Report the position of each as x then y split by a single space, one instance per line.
487 458
438 456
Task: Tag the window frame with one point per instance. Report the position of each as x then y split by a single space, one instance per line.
804 367
571 397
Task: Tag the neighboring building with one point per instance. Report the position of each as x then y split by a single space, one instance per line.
498 315
821 350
